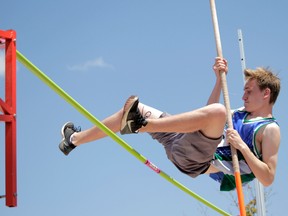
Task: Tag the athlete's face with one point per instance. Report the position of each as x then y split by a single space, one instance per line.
253 97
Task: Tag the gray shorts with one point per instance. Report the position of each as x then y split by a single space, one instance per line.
191 153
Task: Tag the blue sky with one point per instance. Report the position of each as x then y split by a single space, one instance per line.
100 52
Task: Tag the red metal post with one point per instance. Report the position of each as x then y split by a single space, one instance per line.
9 116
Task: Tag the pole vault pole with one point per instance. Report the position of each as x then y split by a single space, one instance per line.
227 105
259 189
36 71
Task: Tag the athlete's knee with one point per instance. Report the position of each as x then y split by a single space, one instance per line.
217 111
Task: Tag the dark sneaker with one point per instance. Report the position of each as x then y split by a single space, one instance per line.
67 130
132 120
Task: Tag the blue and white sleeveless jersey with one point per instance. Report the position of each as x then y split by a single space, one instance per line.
248 130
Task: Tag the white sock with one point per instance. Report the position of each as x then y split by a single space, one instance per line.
72 138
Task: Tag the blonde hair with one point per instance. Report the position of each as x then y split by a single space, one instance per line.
265 78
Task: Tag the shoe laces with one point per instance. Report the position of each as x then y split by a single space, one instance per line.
141 120
74 129
77 129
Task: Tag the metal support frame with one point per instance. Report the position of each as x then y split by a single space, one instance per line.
8 115
259 188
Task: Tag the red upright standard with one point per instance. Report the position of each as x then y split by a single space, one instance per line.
8 115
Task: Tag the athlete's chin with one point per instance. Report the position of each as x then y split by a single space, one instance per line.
247 108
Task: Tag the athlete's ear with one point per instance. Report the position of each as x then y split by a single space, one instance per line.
267 92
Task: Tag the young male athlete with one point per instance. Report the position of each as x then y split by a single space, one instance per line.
196 142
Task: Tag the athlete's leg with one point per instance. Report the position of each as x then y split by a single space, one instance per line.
94 133
73 137
210 120
113 123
